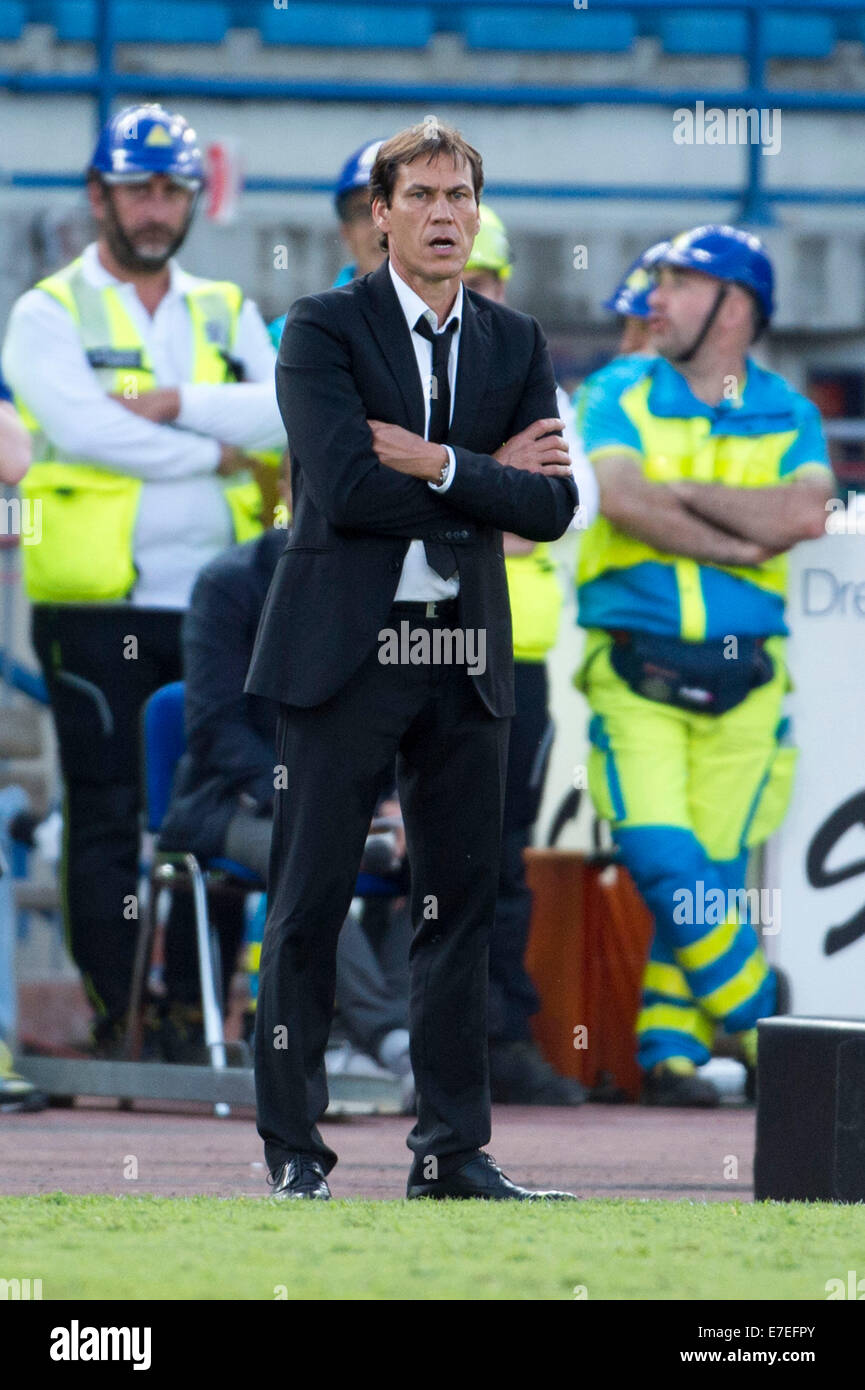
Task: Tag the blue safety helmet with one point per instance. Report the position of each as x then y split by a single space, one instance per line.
631 297
727 253
144 140
355 172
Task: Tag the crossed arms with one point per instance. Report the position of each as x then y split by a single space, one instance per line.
370 476
709 521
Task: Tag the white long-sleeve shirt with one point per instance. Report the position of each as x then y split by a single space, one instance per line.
183 518
582 470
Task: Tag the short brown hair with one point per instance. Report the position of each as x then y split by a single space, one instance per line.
430 137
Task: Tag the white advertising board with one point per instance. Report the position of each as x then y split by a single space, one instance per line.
817 859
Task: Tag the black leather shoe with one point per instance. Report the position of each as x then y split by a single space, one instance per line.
481 1178
302 1176
519 1075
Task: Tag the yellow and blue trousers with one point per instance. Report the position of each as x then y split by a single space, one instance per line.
687 796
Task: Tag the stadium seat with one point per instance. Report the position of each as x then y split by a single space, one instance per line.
852 26
534 29
347 26
720 35
799 35
13 17
159 21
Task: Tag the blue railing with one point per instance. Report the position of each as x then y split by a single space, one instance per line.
106 84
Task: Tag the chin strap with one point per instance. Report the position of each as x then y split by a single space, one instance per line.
709 320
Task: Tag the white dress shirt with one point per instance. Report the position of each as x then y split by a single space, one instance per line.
183 518
419 582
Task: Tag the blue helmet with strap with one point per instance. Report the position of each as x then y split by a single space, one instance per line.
630 299
730 255
355 173
727 253
144 140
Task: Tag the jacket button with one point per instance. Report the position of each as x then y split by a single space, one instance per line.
395 566
464 535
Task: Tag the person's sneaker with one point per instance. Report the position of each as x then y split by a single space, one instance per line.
675 1083
346 1060
519 1075
394 1054
394 1051
18 1096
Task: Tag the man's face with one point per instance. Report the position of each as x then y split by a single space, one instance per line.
680 302
143 223
360 233
487 283
433 217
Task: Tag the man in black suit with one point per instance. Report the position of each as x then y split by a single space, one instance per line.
398 532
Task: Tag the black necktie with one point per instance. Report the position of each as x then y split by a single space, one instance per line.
440 557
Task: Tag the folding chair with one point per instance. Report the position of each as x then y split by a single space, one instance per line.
163 744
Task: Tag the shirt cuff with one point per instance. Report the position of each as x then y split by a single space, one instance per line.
449 475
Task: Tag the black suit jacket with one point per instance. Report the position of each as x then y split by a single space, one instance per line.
346 356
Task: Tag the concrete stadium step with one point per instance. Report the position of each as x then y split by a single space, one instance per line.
61 1076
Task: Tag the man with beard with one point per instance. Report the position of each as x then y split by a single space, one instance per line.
145 390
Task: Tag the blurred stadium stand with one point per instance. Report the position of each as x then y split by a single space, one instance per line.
572 109
520 25
170 21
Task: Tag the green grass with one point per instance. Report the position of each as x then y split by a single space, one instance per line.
205 1248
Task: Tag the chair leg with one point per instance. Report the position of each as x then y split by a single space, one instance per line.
214 1035
143 951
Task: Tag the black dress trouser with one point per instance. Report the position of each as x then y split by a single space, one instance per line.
513 997
451 757
101 663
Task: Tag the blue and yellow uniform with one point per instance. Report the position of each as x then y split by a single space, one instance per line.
689 793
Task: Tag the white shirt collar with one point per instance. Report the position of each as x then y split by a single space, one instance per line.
413 306
98 276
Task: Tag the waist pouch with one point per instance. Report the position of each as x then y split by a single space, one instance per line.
695 676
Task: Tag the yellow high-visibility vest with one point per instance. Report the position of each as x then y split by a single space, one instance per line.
536 602
88 512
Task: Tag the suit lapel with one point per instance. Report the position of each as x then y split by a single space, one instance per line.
473 366
384 314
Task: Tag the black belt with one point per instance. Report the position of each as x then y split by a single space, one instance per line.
435 608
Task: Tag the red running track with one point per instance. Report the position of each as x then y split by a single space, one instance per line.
595 1151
